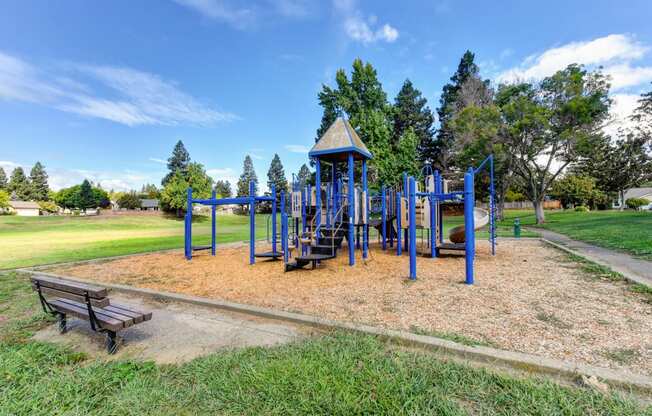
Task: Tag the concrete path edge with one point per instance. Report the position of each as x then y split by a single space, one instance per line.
532 364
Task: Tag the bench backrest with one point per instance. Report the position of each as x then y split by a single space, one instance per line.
60 288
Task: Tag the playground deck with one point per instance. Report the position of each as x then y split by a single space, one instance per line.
528 298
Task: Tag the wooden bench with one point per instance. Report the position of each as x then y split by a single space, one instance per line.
62 297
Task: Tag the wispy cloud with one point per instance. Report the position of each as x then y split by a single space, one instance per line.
615 52
293 8
157 160
297 148
129 97
361 29
237 16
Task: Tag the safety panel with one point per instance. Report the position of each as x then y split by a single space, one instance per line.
430 184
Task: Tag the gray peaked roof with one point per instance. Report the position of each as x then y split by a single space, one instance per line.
339 140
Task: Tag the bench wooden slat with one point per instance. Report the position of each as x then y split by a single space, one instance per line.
100 303
127 321
79 310
96 292
137 315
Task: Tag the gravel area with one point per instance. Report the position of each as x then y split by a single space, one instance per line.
528 298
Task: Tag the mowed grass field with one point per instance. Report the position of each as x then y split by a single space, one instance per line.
627 231
30 241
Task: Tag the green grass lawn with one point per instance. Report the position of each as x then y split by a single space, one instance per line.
29 241
629 231
336 374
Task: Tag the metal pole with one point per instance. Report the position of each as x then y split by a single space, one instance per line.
439 188
188 223
365 224
413 229
469 232
383 204
284 229
351 212
252 223
274 218
492 206
399 230
433 224
213 223
317 195
406 192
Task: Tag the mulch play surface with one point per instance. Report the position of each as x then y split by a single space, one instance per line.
528 298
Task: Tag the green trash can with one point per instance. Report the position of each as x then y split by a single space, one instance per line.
517 228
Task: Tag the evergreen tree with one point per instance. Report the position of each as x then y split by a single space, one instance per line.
86 198
248 175
412 112
174 194
3 179
276 176
39 183
223 189
177 162
304 175
19 188
439 151
328 99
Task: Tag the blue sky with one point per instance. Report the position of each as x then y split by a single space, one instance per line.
103 90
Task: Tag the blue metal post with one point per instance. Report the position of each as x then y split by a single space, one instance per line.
399 230
304 205
433 224
317 195
274 218
213 223
492 206
406 192
188 224
328 204
252 223
469 232
383 203
413 229
439 189
365 226
334 191
284 229
351 212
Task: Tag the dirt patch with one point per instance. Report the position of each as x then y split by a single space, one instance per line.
527 298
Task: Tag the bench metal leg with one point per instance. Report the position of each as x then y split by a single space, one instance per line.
111 345
62 322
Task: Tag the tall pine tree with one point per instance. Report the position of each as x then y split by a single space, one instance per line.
276 177
248 175
3 180
304 175
19 188
439 152
412 112
177 162
38 183
223 189
86 198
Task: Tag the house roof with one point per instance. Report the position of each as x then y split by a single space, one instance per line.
339 140
639 193
149 203
24 205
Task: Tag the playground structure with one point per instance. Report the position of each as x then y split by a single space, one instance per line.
249 201
319 218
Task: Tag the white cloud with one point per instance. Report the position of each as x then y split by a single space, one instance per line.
611 49
157 160
360 29
133 97
622 107
297 148
506 53
293 8
238 17
624 75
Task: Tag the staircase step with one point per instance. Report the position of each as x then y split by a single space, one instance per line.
315 257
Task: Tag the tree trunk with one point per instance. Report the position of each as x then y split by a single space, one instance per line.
538 211
621 193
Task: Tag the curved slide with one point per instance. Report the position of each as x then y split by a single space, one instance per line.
480 219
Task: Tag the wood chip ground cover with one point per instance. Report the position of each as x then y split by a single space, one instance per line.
528 298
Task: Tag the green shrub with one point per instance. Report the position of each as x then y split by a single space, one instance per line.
581 208
636 203
48 206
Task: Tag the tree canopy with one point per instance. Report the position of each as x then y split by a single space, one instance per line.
19 187
174 194
223 189
248 175
276 177
3 179
178 162
38 179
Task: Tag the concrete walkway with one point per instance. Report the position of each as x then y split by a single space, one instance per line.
633 269
178 332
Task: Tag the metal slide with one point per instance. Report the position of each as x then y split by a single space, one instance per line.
480 219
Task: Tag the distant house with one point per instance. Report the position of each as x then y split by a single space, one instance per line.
149 204
635 193
26 208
